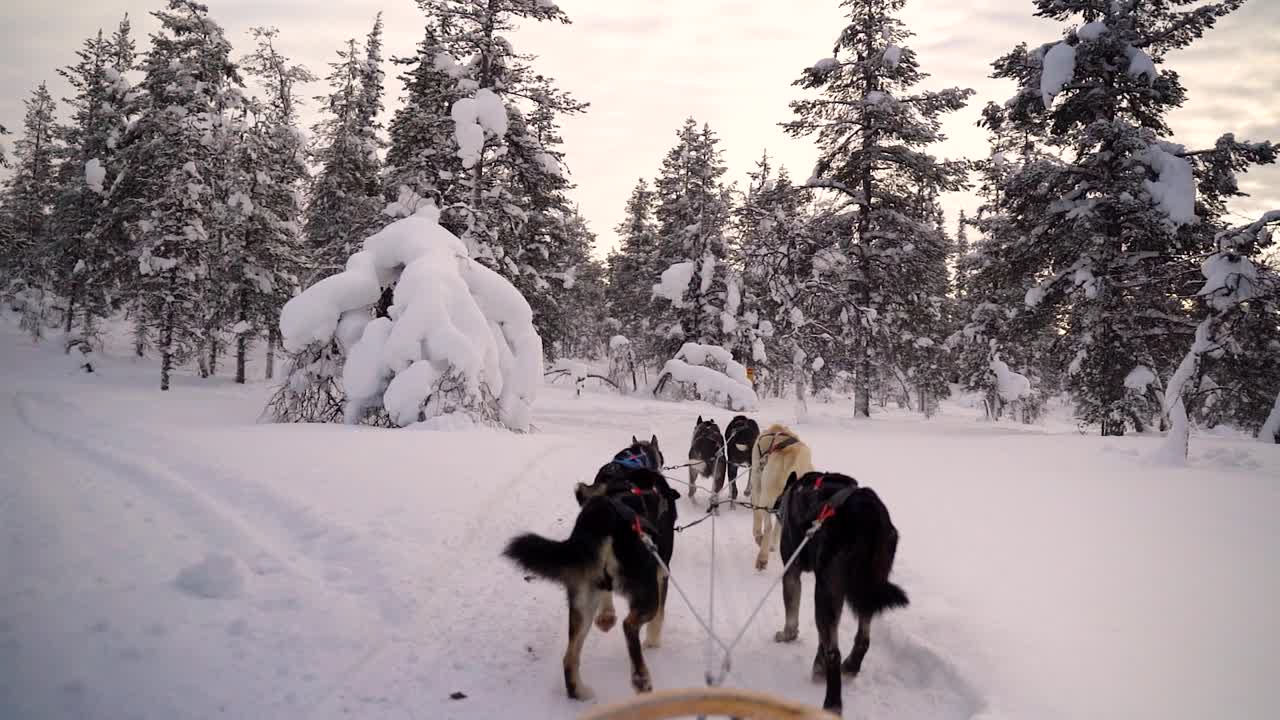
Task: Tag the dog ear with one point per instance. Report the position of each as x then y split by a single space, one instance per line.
654 441
634 441
791 480
699 420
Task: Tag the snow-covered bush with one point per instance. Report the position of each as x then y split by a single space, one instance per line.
713 375
456 336
622 363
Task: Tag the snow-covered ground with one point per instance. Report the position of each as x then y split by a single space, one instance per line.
165 556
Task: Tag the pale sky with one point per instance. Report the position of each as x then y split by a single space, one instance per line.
645 65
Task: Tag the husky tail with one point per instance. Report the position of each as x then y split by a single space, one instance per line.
875 542
560 559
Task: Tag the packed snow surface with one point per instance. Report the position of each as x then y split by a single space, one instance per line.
1053 575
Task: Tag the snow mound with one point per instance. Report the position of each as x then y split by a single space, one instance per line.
1011 385
1139 378
217 576
1229 279
1141 66
472 118
1058 69
714 374
1091 30
1174 190
674 282
94 174
458 335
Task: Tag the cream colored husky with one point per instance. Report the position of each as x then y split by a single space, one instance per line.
778 452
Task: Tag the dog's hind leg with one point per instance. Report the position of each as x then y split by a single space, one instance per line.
694 470
828 602
653 631
582 607
631 630
731 471
791 603
607 617
861 643
769 533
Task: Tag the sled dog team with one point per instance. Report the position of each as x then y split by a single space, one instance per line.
626 524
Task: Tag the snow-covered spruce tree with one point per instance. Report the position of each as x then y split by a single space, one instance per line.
584 332
509 198
87 265
546 248
170 198
1238 336
346 200
921 323
872 129
422 154
631 267
272 168
456 339
28 199
697 294
994 324
1103 238
785 299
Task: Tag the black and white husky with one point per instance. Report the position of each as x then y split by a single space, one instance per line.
706 456
606 553
850 556
739 436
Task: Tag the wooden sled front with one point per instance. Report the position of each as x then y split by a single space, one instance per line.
706 701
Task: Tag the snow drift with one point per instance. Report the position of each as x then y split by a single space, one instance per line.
457 336
715 376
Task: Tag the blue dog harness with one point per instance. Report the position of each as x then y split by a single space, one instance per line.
633 459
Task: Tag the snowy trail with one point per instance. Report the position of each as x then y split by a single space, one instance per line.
1048 572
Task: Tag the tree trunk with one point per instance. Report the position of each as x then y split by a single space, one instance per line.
166 340
802 406
139 340
242 340
1270 431
215 349
69 320
271 353
862 390
202 359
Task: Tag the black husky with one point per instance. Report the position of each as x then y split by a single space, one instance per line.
706 455
739 436
605 553
850 556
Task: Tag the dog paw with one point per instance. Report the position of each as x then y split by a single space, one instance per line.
653 642
641 682
606 620
785 636
762 563
584 694
851 669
